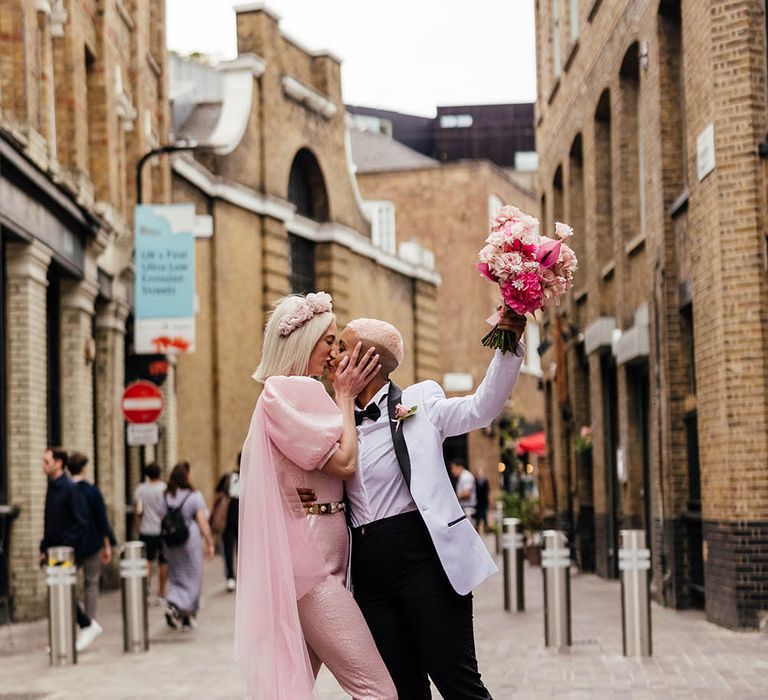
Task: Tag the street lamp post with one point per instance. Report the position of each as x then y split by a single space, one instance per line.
162 150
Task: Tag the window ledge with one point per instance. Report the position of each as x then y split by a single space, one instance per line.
593 10
553 91
679 205
571 54
635 244
607 270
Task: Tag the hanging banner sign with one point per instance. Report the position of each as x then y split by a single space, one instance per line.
165 279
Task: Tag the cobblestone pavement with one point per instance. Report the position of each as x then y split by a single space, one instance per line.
692 658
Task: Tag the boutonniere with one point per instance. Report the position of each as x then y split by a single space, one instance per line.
401 413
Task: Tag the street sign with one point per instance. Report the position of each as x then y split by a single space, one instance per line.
142 434
142 402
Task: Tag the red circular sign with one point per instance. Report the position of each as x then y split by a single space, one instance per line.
142 402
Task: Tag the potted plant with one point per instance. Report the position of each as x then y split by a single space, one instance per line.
528 512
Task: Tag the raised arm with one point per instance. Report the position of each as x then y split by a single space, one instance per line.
459 415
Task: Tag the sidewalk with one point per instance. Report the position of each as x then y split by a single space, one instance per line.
692 658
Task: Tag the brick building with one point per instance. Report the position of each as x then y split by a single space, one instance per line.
446 208
649 116
82 96
287 217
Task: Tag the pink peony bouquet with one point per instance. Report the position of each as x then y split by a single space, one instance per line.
532 271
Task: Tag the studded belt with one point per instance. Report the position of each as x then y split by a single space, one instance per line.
325 508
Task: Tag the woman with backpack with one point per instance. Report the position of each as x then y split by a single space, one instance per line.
184 527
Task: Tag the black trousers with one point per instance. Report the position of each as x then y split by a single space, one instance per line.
83 620
229 544
420 624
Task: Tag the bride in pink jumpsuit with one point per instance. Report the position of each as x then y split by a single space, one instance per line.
293 609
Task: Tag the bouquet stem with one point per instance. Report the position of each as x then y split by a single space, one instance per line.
502 339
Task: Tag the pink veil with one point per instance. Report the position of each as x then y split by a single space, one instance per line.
278 563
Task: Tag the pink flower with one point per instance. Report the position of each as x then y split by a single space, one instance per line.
563 231
485 270
567 261
524 293
548 252
586 431
400 411
508 265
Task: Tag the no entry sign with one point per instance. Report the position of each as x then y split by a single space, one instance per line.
142 402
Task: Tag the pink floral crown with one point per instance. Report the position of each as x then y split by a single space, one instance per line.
307 307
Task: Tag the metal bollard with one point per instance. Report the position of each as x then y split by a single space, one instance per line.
60 577
556 565
514 572
134 588
634 565
497 523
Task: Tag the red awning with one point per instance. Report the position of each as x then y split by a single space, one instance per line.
535 443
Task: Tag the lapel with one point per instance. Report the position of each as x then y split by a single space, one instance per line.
398 437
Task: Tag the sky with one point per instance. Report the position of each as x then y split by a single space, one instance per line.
405 55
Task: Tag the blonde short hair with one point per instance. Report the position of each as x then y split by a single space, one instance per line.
288 355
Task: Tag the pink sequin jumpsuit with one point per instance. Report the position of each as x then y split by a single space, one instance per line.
334 628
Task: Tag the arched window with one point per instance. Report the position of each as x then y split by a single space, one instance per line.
632 185
306 187
576 207
604 181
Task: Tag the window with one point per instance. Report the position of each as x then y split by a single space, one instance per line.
306 187
455 121
532 360
603 181
302 262
375 125
3 424
632 186
53 309
575 20
557 66
382 215
526 161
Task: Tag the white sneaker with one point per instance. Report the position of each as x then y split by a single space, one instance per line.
230 584
87 635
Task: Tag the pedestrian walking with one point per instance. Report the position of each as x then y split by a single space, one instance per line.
148 510
185 527
482 492
99 537
65 525
224 519
466 488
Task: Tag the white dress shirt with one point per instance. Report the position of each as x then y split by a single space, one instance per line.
378 489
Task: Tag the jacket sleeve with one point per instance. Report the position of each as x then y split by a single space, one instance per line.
74 536
105 529
302 420
461 414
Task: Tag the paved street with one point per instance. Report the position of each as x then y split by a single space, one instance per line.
693 659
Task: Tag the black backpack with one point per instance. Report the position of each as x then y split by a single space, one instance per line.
173 527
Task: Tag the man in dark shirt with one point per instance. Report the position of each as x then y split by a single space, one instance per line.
228 488
66 521
99 538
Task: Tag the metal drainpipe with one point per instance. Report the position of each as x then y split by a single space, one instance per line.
659 286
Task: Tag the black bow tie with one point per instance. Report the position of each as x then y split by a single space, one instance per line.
371 411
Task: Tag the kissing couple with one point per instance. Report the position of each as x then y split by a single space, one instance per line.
362 471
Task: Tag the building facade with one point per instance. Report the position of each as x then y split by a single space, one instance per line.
503 133
82 96
418 201
649 116
287 217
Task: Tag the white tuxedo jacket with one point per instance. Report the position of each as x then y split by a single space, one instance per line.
418 444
